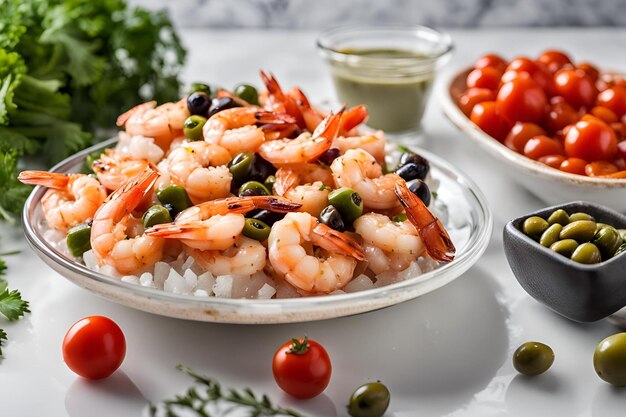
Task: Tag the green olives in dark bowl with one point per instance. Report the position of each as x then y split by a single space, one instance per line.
570 276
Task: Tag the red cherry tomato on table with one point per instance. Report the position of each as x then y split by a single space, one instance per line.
614 98
535 70
574 166
591 71
605 114
491 61
474 96
302 368
554 60
483 78
559 115
591 139
542 146
597 168
521 100
485 116
94 347
576 87
521 133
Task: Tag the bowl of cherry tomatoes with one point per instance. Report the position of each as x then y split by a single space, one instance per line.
558 126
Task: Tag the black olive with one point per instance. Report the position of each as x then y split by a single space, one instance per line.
261 169
329 156
198 103
331 217
266 216
420 189
222 103
422 163
170 208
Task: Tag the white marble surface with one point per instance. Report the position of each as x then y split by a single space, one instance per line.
445 354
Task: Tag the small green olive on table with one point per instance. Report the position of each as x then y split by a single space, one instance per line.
533 358
369 400
609 359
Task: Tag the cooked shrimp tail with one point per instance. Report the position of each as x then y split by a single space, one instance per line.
335 241
45 179
279 100
239 205
436 240
353 117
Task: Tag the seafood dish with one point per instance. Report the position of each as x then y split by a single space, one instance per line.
246 194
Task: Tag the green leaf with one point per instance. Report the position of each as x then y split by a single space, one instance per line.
13 193
11 304
3 338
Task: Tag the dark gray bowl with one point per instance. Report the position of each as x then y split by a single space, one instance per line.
577 291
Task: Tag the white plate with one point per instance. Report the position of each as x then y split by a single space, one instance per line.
469 226
550 185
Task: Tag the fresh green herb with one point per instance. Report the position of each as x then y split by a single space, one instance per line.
3 338
325 187
209 394
12 306
67 69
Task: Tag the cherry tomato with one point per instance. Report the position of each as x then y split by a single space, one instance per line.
474 96
485 116
620 130
605 114
621 149
94 347
542 146
591 139
553 161
574 166
520 134
488 77
576 87
535 70
591 71
600 168
554 60
302 368
614 98
559 115
521 100
492 61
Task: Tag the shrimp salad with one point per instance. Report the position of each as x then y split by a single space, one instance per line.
249 195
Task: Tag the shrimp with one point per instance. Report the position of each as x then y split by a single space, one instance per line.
235 129
388 244
72 199
305 148
216 225
113 168
373 144
291 254
277 100
116 237
200 167
139 147
313 197
289 176
357 169
245 257
436 240
163 123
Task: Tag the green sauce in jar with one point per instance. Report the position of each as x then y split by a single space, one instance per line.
395 100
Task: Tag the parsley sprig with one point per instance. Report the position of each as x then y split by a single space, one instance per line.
208 392
12 306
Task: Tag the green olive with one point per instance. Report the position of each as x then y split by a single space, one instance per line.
248 93
551 235
252 188
399 218
78 239
534 226
608 240
256 229
348 202
193 127
587 253
559 216
200 88
579 230
565 247
620 250
156 214
533 358
369 400
90 159
581 216
176 196
609 359
269 183
622 233
240 166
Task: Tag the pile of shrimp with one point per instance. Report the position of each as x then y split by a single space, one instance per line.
302 253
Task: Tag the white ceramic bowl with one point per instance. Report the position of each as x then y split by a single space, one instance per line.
470 224
550 185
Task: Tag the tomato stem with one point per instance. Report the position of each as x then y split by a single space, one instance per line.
299 347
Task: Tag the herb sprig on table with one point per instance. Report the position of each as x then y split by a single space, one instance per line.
12 306
208 392
67 69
